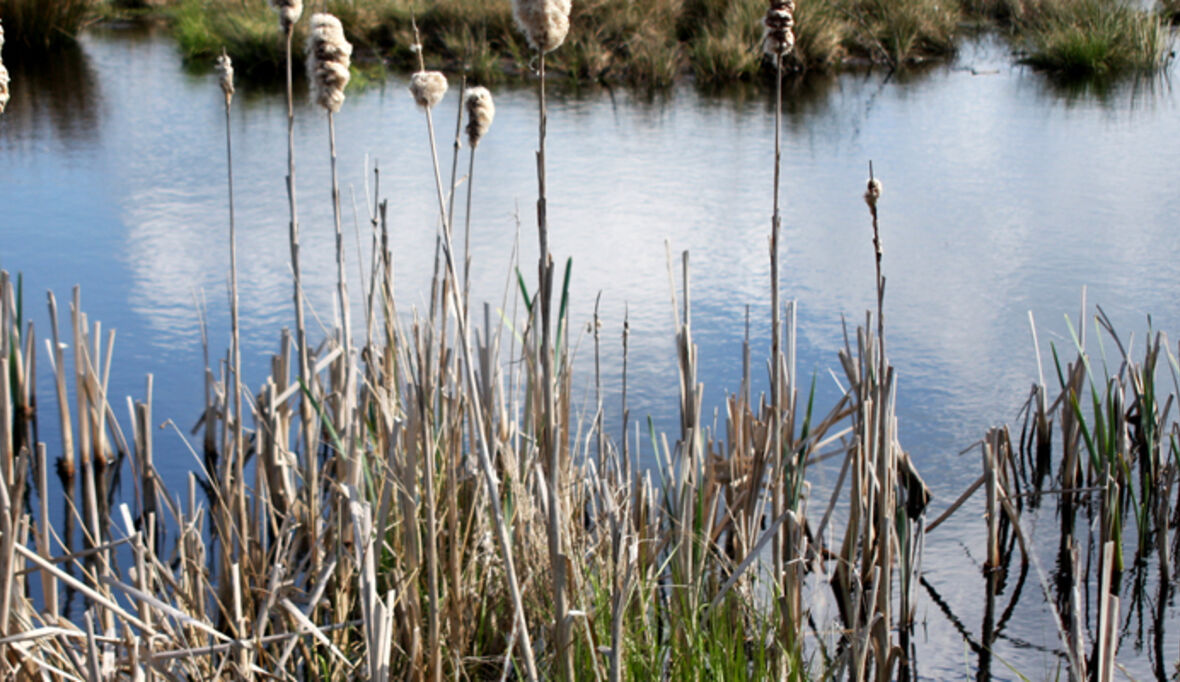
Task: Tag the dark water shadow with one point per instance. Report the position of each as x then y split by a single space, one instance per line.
57 89
1140 89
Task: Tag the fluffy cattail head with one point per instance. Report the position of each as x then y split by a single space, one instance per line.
778 38
3 75
288 11
480 112
225 71
328 57
544 22
428 88
873 192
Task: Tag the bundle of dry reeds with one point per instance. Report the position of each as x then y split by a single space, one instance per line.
425 502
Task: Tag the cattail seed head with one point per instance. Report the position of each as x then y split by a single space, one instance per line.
778 38
428 88
328 58
480 112
225 70
3 87
288 11
3 75
873 192
544 23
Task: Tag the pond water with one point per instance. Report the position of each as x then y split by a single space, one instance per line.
1003 194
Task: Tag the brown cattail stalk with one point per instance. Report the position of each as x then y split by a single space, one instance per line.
778 40
225 72
289 12
545 24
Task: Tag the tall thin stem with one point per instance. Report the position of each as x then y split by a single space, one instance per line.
345 418
776 378
305 408
550 447
467 230
880 283
239 453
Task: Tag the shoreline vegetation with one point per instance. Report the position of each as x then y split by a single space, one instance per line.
415 496
655 43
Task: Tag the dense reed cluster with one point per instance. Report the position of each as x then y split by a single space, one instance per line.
420 500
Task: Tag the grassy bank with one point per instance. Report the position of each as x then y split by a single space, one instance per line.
659 42
1081 38
654 43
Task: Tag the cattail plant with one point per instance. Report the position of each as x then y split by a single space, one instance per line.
481 110
778 37
289 12
428 88
872 194
777 42
545 24
3 73
225 72
328 58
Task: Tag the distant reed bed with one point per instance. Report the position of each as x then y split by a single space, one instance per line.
656 44
414 496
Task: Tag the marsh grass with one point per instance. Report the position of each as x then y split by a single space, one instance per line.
38 24
1086 38
1170 10
247 31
